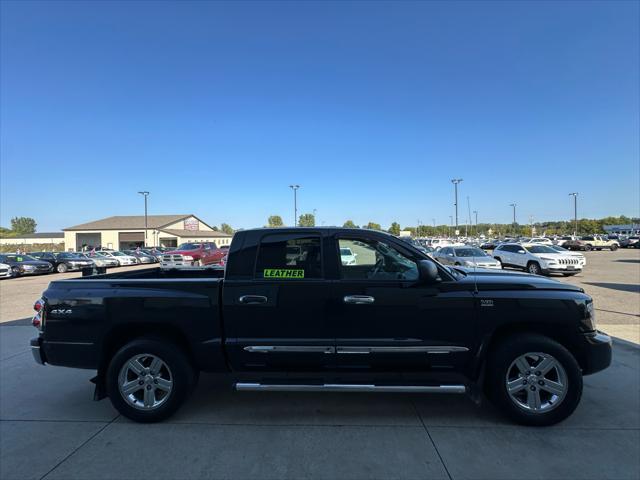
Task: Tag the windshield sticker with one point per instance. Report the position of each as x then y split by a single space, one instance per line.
283 273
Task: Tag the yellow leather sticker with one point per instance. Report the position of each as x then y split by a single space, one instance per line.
283 273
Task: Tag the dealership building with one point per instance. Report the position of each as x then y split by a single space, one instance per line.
125 232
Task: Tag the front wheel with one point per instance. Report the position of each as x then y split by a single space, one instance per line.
588 248
614 248
534 379
534 268
148 379
61 268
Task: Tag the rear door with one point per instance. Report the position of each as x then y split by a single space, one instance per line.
276 319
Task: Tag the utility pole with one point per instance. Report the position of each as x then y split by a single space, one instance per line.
450 223
435 232
575 212
455 182
476 214
514 205
145 195
531 224
468 216
295 203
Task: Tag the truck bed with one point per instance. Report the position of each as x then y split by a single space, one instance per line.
158 273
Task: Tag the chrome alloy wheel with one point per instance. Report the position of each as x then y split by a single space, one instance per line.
145 382
536 382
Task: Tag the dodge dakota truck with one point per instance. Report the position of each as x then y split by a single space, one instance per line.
391 320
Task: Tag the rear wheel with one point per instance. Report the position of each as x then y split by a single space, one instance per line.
588 248
614 247
148 379
62 268
534 379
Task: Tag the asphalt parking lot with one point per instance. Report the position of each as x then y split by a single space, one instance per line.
50 428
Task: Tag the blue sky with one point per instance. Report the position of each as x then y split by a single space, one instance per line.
215 108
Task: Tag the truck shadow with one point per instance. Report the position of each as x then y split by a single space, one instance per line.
623 287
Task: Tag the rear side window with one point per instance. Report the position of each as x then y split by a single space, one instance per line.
289 257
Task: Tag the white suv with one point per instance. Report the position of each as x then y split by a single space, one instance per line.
537 259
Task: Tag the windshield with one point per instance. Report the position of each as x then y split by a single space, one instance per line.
117 254
68 255
189 246
19 258
470 252
540 249
559 249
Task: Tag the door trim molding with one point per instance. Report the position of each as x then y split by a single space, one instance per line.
290 349
402 349
353 349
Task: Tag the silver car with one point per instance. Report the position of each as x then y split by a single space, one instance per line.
466 257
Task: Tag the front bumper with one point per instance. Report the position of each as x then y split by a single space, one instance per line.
597 352
563 268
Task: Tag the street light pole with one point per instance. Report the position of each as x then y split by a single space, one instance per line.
295 203
145 195
476 214
575 212
455 182
514 205
450 223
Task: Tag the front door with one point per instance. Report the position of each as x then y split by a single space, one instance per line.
277 321
386 320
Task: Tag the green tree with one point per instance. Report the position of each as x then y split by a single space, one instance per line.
5 232
373 226
307 220
275 221
226 228
394 229
349 224
23 225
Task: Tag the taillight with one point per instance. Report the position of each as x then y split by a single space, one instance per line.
38 305
38 319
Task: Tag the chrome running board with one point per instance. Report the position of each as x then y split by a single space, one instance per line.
342 387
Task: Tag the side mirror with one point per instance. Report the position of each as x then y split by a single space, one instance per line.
428 271
521 251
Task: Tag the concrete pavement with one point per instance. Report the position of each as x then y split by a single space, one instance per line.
50 428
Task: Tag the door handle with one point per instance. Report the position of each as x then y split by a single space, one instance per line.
359 299
252 299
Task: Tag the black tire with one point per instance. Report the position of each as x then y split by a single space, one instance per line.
614 247
62 268
588 248
569 274
15 272
182 374
534 268
498 365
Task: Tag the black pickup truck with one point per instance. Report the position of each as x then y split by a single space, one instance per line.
325 309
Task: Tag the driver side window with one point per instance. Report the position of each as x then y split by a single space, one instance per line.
367 259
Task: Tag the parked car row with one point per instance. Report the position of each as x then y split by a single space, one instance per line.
33 263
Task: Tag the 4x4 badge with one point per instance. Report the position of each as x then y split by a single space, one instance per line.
486 303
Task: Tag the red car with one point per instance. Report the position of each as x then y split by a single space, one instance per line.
193 255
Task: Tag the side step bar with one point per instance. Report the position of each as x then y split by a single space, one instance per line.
341 387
